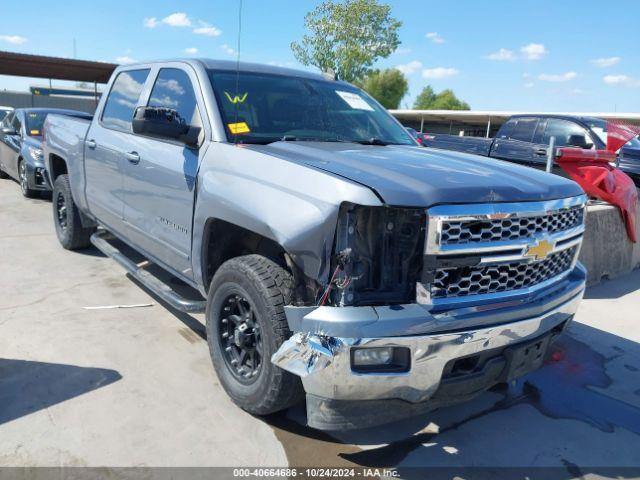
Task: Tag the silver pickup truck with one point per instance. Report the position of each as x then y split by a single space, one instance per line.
337 257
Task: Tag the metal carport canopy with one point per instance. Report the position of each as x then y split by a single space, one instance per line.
482 117
23 65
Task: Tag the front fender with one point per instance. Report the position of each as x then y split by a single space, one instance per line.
294 205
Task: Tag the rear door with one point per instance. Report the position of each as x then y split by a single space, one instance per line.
109 137
160 174
517 145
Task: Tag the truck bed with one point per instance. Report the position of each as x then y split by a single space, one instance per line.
476 145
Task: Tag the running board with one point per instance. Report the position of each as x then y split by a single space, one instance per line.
161 289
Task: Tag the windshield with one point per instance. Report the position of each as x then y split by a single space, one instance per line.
265 108
3 113
599 127
35 120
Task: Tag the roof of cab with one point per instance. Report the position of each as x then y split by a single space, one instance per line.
230 65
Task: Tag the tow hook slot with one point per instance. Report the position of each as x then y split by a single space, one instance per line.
306 353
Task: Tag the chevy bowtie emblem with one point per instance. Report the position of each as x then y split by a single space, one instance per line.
540 250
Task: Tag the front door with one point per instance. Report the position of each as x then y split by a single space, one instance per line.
160 177
10 145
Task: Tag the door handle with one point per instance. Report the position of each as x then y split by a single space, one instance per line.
133 157
91 144
541 152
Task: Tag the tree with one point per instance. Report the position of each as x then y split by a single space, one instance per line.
445 100
347 37
425 99
386 86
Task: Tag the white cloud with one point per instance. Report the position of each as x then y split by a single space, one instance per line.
13 39
191 50
227 49
439 72
621 80
434 37
207 30
503 55
534 51
606 62
178 19
563 77
409 68
125 60
528 85
150 22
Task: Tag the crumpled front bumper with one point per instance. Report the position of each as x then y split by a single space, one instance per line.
323 361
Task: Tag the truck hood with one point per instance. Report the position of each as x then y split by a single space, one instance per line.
421 177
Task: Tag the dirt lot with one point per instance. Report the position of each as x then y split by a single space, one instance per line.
135 387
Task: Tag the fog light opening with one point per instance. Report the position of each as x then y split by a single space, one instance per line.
380 360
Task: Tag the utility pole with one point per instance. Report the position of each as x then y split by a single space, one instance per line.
74 48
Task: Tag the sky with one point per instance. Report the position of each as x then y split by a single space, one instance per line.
535 55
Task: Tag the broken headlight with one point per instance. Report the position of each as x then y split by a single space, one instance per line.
378 256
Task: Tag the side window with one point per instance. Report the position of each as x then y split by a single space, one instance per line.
7 120
524 129
123 99
507 128
17 124
173 89
568 134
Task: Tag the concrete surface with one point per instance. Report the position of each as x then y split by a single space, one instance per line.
607 251
134 387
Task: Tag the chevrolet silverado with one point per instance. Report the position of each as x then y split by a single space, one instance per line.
333 257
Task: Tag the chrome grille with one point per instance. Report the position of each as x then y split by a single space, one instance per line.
457 232
482 279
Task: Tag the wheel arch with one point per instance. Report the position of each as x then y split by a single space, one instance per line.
224 240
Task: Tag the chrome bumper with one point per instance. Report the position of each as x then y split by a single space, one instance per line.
324 362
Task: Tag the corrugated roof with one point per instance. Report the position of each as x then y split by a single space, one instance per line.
23 65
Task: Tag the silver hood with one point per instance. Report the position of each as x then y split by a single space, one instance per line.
422 177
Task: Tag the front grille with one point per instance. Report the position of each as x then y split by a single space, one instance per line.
473 280
458 232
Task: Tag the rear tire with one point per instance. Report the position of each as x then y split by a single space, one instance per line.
66 217
245 313
23 178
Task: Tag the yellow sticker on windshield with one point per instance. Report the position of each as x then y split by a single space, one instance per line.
236 98
238 128
34 132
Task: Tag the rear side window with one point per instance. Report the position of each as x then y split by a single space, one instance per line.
173 89
523 129
123 99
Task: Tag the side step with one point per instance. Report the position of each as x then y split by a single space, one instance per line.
162 290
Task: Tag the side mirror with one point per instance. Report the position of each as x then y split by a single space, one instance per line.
578 141
9 131
164 123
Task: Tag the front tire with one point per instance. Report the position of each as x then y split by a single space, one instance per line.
246 324
66 217
23 178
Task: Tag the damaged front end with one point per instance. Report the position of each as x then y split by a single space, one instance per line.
378 256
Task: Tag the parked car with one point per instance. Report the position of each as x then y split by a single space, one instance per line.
337 258
21 147
524 139
4 111
414 133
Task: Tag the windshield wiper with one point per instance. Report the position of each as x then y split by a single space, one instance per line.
373 141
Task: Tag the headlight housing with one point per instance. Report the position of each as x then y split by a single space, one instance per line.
35 153
378 255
